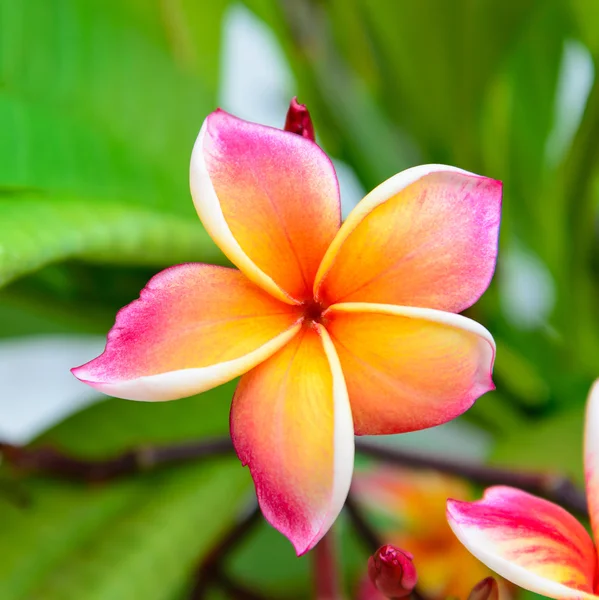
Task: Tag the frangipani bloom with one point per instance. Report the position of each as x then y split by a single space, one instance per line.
409 506
532 542
334 328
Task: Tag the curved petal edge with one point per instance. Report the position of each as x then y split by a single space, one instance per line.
268 198
409 368
591 456
291 424
193 327
426 237
185 382
527 540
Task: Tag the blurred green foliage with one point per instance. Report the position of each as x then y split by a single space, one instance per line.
99 107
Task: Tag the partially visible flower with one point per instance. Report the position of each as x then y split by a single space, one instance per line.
392 572
533 542
335 329
392 575
409 507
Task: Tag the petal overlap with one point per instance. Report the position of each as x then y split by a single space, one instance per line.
426 237
409 368
529 541
269 199
194 326
291 423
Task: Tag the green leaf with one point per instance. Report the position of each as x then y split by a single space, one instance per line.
38 230
140 537
111 426
433 62
132 539
104 98
554 444
99 108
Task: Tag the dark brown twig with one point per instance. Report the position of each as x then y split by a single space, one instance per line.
552 486
211 570
366 533
234 589
50 461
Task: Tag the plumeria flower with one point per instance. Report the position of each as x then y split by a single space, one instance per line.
334 328
533 542
409 507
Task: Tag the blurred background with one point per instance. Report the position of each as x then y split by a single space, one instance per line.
100 103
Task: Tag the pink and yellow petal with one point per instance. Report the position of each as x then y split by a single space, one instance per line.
527 540
409 368
591 456
270 200
194 327
291 424
426 237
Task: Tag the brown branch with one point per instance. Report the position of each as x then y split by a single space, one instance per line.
211 569
553 486
234 589
365 532
53 462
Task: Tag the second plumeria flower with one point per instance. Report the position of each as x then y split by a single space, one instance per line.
533 542
335 328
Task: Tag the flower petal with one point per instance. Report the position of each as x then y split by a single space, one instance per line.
291 423
591 456
409 368
194 327
529 541
270 200
426 237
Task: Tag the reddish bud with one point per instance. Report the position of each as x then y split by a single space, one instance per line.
487 589
299 121
392 571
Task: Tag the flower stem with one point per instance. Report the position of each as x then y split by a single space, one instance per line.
326 574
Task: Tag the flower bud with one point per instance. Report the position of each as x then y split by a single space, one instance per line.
299 121
487 589
392 571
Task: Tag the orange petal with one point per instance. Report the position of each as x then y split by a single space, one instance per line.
529 541
409 368
591 456
194 327
291 423
426 237
270 200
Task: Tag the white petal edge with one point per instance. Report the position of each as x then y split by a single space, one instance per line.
210 212
187 382
377 196
344 445
427 314
591 453
508 570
